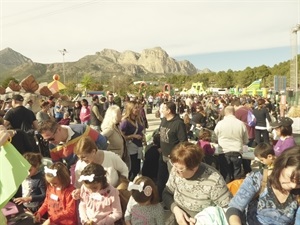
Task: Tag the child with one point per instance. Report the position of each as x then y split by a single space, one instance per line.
100 203
59 204
204 143
150 165
33 187
265 153
65 120
143 206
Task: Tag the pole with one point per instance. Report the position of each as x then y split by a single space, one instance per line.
63 52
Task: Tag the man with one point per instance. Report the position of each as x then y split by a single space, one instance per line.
62 140
172 132
241 113
109 102
19 117
193 185
24 122
231 134
97 114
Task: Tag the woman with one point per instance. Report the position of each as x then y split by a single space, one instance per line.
283 129
193 185
132 129
110 129
277 204
87 152
44 113
76 112
117 171
261 114
294 114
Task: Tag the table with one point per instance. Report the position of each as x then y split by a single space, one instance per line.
20 218
247 154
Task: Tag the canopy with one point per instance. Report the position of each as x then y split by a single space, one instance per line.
56 85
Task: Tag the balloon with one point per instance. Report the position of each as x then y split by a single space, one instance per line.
56 77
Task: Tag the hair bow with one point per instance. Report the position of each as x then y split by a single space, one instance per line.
51 171
133 186
89 178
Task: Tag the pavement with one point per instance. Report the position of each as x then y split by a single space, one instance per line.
154 123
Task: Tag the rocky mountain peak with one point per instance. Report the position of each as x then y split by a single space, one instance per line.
10 58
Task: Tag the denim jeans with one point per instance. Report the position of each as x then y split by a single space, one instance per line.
162 176
230 166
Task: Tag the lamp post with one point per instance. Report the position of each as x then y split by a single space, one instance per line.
63 52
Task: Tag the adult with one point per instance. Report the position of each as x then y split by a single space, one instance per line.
76 112
231 134
193 185
23 121
294 114
97 113
277 204
172 132
261 114
111 130
132 129
199 117
44 113
109 101
88 152
19 117
283 129
117 171
62 140
241 113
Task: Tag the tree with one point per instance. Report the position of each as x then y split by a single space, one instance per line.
86 81
7 80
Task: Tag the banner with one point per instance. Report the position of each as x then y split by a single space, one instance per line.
14 169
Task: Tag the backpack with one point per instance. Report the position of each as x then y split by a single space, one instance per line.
251 120
234 185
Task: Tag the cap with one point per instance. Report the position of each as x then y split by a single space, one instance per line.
7 100
282 121
18 98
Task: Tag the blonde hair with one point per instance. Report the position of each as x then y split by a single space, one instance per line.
294 112
110 118
128 111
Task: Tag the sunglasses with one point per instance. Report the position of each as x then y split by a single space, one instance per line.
52 138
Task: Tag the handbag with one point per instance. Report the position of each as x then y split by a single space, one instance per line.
124 194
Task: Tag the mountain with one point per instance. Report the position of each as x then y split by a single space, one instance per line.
108 62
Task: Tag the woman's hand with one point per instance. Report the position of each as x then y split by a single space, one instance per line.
181 217
137 136
22 200
76 194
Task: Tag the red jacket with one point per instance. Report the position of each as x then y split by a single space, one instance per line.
60 205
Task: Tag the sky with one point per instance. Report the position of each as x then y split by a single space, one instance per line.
214 34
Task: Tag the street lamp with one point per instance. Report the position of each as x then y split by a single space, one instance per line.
113 82
63 52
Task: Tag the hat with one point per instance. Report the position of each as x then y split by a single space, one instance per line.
7 100
282 121
18 98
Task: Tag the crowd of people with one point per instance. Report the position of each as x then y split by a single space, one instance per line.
103 172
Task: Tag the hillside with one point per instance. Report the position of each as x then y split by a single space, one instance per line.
106 63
